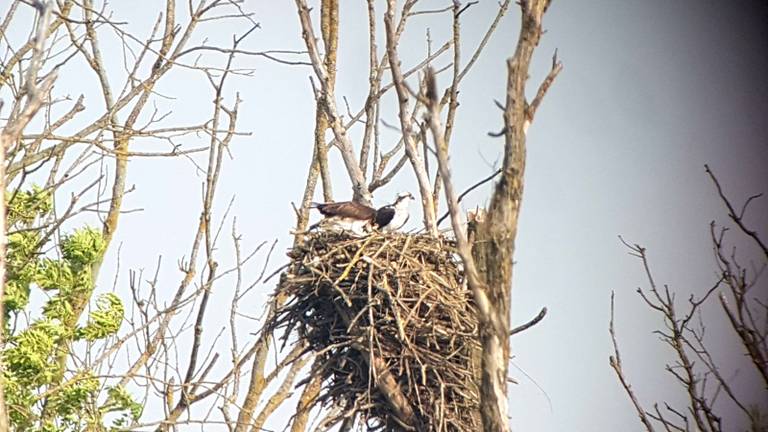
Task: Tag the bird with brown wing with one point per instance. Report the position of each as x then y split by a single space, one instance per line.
346 216
359 219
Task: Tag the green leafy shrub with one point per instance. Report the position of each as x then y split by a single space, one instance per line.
41 394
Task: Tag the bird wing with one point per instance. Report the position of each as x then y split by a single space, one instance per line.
384 216
347 209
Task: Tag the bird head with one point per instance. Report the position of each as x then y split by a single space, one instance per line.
403 198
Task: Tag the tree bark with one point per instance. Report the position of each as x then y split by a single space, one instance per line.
494 233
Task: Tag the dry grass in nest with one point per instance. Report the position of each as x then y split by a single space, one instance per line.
393 325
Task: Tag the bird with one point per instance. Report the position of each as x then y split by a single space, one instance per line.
392 217
346 216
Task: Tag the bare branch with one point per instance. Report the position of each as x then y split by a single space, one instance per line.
530 323
493 405
737 218
327 101
468 190
615 361
417 162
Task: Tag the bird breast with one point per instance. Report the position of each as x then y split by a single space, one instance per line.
398 220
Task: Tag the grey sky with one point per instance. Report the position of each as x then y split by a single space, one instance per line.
651 91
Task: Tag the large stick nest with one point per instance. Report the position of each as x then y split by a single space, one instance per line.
393 326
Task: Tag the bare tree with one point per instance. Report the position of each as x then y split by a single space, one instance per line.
65 163
487 255
488 262
694 368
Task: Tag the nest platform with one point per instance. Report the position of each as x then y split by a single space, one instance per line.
393 326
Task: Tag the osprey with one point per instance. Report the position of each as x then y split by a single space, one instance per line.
392 217
348 216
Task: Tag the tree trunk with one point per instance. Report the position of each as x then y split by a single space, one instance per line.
494 232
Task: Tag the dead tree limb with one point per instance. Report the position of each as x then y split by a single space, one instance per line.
493 404
327 99
494 233
488 263
615 362
738 218
416 159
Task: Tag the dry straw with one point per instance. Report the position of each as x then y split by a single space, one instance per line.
393 325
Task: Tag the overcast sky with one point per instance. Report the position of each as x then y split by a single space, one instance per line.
651 91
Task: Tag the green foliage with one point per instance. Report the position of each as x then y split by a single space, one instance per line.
83 248
24 243
21 268
71 401
121 402
24 207
39 395
27 358
105 320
